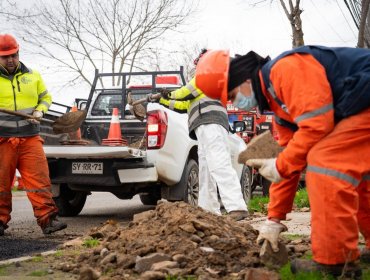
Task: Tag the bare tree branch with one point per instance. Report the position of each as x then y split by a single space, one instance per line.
82 35
294 17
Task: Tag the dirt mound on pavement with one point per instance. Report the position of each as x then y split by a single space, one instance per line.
174 239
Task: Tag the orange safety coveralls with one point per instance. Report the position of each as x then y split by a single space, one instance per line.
20 144
337 157
27 155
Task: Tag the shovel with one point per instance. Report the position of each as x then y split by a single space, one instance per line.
68 122
138 110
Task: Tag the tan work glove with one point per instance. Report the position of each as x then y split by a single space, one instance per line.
270 231
267 168
153 97
38 115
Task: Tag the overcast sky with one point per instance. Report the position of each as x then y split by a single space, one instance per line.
239 26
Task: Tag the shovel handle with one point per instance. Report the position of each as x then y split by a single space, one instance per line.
26 116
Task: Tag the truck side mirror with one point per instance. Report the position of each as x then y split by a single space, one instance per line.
239 126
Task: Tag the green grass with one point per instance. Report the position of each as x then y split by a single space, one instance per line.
259 203
38 273
173 277
91 242
37 259
58 253
286 274
301 199
294 236
3 271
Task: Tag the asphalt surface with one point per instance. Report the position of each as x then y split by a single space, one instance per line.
13 247
24 237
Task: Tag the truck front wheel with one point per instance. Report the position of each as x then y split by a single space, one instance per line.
246 182
70 202
190 181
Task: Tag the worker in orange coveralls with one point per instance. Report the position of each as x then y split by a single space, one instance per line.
22 90
321 100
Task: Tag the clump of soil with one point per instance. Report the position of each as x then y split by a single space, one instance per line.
261 146
174 239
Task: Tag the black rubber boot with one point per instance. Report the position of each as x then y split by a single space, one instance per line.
238 215
365 255
53 226
351 270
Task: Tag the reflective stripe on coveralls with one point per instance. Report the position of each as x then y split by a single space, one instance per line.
336 167
215 170
27 155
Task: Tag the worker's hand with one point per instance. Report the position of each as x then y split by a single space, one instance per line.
267 168
38 114
37 117
153 97
165 93
270 231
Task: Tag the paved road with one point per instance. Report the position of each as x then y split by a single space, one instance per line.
24 237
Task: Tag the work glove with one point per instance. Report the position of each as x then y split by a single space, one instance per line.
165 93
153 97
270 232
267 168
37 117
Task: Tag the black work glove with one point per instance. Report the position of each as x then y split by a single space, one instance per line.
165 93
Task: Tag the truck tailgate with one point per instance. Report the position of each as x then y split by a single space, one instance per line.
92 152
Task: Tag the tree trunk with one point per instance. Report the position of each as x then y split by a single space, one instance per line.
294 17
367 30
362 25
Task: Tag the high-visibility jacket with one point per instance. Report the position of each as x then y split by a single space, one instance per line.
301 84
24 91
348 73
201 109
307 89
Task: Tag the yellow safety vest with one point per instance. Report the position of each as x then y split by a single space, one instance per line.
24 92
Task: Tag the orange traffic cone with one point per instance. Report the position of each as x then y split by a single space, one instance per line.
76 135
114 135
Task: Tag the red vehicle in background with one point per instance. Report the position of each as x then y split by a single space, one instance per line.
255 124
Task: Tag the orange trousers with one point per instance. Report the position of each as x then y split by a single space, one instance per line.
338 185
27 155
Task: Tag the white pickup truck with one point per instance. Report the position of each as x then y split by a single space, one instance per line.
164 165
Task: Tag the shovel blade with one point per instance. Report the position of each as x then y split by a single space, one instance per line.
69 122
139 111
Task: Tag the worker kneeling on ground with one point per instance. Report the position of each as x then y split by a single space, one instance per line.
321 100
23 90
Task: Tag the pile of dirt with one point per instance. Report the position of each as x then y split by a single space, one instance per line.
174 239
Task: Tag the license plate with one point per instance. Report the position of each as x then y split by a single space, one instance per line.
87 168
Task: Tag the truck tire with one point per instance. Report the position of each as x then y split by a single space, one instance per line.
265 185
246 182
190 182
149 198
70 202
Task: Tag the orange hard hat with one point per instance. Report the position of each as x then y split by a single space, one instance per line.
211 74
8 45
